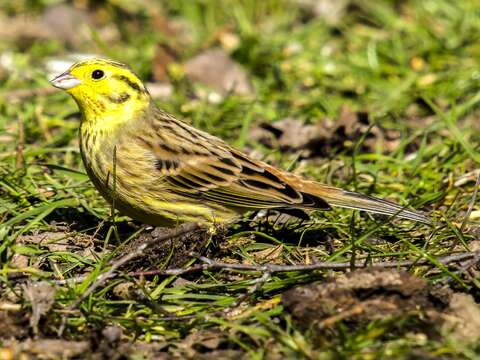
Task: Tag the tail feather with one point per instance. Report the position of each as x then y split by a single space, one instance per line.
352 200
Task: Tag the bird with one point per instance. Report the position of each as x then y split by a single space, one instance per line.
162 171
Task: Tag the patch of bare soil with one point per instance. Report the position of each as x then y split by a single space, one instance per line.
174 252
358 296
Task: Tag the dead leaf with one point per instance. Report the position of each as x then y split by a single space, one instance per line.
180 281
469 177
268 255
41 296
327 136
202 341
296 135
57 241
216 69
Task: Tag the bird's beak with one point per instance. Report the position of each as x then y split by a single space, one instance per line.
65 81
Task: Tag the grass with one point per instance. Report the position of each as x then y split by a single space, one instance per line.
412 66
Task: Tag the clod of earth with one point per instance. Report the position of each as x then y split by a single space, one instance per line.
360 297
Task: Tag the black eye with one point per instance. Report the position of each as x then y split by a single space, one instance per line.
97 74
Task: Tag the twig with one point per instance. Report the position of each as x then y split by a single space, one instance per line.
469 264
465 267
336 265
213 265
209 264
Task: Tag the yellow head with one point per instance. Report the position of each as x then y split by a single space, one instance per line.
107 92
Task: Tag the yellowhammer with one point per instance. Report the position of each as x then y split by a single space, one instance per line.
162 171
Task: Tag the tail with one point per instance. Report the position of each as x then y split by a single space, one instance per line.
352 200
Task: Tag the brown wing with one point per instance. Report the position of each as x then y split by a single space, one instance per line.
198 165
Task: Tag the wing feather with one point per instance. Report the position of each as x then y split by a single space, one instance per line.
198 165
